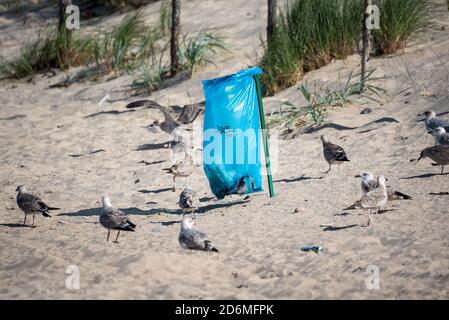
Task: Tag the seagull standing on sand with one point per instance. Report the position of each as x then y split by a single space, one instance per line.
441 136
438 153
369 183
181 168
432 122
332 153
30 204
188 201
188 114
193 239
114 219
373 200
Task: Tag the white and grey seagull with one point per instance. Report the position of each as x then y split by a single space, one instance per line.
432 122
369 183
441 136
114 219
373 200
181 168
193 239
31 204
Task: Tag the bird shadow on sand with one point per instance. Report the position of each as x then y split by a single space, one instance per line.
439 193
112 112
206 199
343 214
166 223
154 191
16 225
147 163
333 228
385 211
423 176
130 211
152 146
214 206
300 178
16 116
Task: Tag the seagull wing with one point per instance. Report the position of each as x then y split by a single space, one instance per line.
338 152
144 104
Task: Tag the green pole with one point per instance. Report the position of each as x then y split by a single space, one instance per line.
264 136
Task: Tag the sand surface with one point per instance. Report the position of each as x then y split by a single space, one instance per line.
259 239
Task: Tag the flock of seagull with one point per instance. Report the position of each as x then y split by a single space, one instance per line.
375 191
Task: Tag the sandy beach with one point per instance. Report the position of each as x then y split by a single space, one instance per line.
69 151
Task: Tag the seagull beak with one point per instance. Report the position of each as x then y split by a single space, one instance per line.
357 176
418 159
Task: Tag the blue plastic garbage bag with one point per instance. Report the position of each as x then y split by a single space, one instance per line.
231 154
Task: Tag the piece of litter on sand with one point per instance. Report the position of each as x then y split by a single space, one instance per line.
107 97
62 222
315 249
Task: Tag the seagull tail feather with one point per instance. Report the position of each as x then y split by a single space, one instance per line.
133 225
126 228
353 207
210 246
401 195
53 208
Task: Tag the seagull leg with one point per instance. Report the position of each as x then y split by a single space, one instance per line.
33 220
369 220
25 220
174 184
339 168
328 169
442 169
109 231
116 239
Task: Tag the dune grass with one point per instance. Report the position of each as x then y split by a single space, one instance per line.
194 51
319 101
310 34
44 53
197 50
126 45
399 21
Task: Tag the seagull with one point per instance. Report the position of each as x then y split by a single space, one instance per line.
369 183
181 168
441 136
188 114
114 219
188 201
193 239
438 153
432 122
373 200
30 204
332 153
242 187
